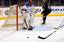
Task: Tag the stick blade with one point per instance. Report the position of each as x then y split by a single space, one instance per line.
41 37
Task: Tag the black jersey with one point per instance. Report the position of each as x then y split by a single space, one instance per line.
46 9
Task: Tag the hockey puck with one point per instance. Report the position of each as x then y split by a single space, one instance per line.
27 37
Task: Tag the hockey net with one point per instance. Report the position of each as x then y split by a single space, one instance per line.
11 18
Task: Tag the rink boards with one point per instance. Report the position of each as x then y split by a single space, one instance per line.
56 11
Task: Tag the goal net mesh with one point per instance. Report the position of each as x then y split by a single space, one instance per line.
11 18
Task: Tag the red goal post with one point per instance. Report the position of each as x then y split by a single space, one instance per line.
17 17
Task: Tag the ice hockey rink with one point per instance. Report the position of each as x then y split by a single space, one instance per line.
39 30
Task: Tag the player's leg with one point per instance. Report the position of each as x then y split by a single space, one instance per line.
24 19
31 20
44 19
28 19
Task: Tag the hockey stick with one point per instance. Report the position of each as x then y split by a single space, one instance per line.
60 26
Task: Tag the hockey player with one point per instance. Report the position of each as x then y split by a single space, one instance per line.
27 13
45 12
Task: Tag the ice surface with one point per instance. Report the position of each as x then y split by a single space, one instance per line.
39 30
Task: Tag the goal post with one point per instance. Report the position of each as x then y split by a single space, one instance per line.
17 17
